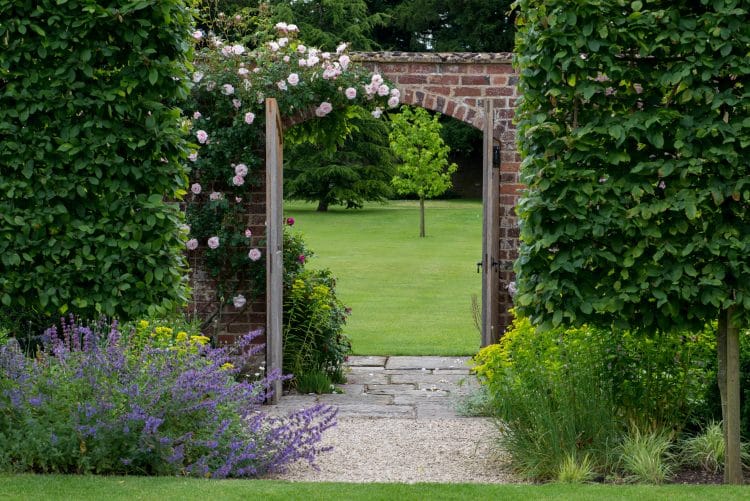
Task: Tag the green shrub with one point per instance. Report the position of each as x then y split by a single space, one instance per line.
549 391
92 152
646 457
574 471
705 450
574 391
314 382
313 326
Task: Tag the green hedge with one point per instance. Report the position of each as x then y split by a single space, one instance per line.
91 146
635 133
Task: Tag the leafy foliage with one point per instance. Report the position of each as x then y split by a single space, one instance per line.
425 170
634 126
92 151
92 402
357 171
570 392
226 115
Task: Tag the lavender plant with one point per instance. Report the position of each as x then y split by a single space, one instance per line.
85 404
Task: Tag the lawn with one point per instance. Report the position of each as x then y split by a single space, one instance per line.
409 295
71 487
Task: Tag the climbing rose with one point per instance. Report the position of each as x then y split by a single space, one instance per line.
202 136
283 41
215 195
350 92
341 48
243 71
197 76
344 61
238 180
236 103
293 79
281 85
376 80
273 46
240 170
383 90
191 244
193 156
197 34
249 117
290 221
292 28
254 254
239 301
282 26
301 49
393 102
324 109
227 89
238 49
301 258
197 115
196 188
213 242
248 233
377 112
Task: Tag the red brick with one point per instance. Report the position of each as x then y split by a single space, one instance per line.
475 80
412 79
438 90
509 166
443 79
467 91
500 80
510 189
499 68
422 68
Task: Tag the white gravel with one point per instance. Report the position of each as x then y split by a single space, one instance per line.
408 450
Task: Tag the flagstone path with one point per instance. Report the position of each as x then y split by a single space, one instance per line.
397 422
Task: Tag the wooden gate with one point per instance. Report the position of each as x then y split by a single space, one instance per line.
274 245
490 242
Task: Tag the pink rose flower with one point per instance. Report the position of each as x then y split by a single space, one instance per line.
197 35
238 180
213 242
377 112
254 254
281 85
350 92
202 136
324 109
197 76
293 79
290 221
383 90
197 115
215 195
236 103
191 244
344 61
193 156
248 233
301 258
196 188
249 117
240 170
243 71
393 102
227 89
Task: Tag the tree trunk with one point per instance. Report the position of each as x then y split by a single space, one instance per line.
733 462
322 206
721 373
421 217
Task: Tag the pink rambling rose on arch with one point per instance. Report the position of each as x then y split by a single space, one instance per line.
229 86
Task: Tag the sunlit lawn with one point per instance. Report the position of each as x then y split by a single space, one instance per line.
409 295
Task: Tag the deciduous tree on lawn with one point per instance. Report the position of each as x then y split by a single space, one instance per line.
425 170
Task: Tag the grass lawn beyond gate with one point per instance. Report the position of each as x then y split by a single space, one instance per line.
409 295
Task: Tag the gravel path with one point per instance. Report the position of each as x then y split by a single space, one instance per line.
408 450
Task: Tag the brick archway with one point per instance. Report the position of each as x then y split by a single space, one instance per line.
458 84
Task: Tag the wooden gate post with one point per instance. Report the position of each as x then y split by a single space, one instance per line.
274 245
490 222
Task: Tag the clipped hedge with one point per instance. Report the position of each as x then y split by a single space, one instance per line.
91 151
635 132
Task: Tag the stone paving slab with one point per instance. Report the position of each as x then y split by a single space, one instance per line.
418 378
366 361
366 378
389 389
418 363
344 399
378 411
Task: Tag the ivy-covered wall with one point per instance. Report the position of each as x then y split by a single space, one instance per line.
91 152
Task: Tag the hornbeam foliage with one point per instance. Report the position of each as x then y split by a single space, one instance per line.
635 133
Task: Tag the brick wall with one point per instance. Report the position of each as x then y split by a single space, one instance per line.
454 84
457 84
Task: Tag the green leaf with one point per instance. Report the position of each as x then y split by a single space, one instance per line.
153 76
